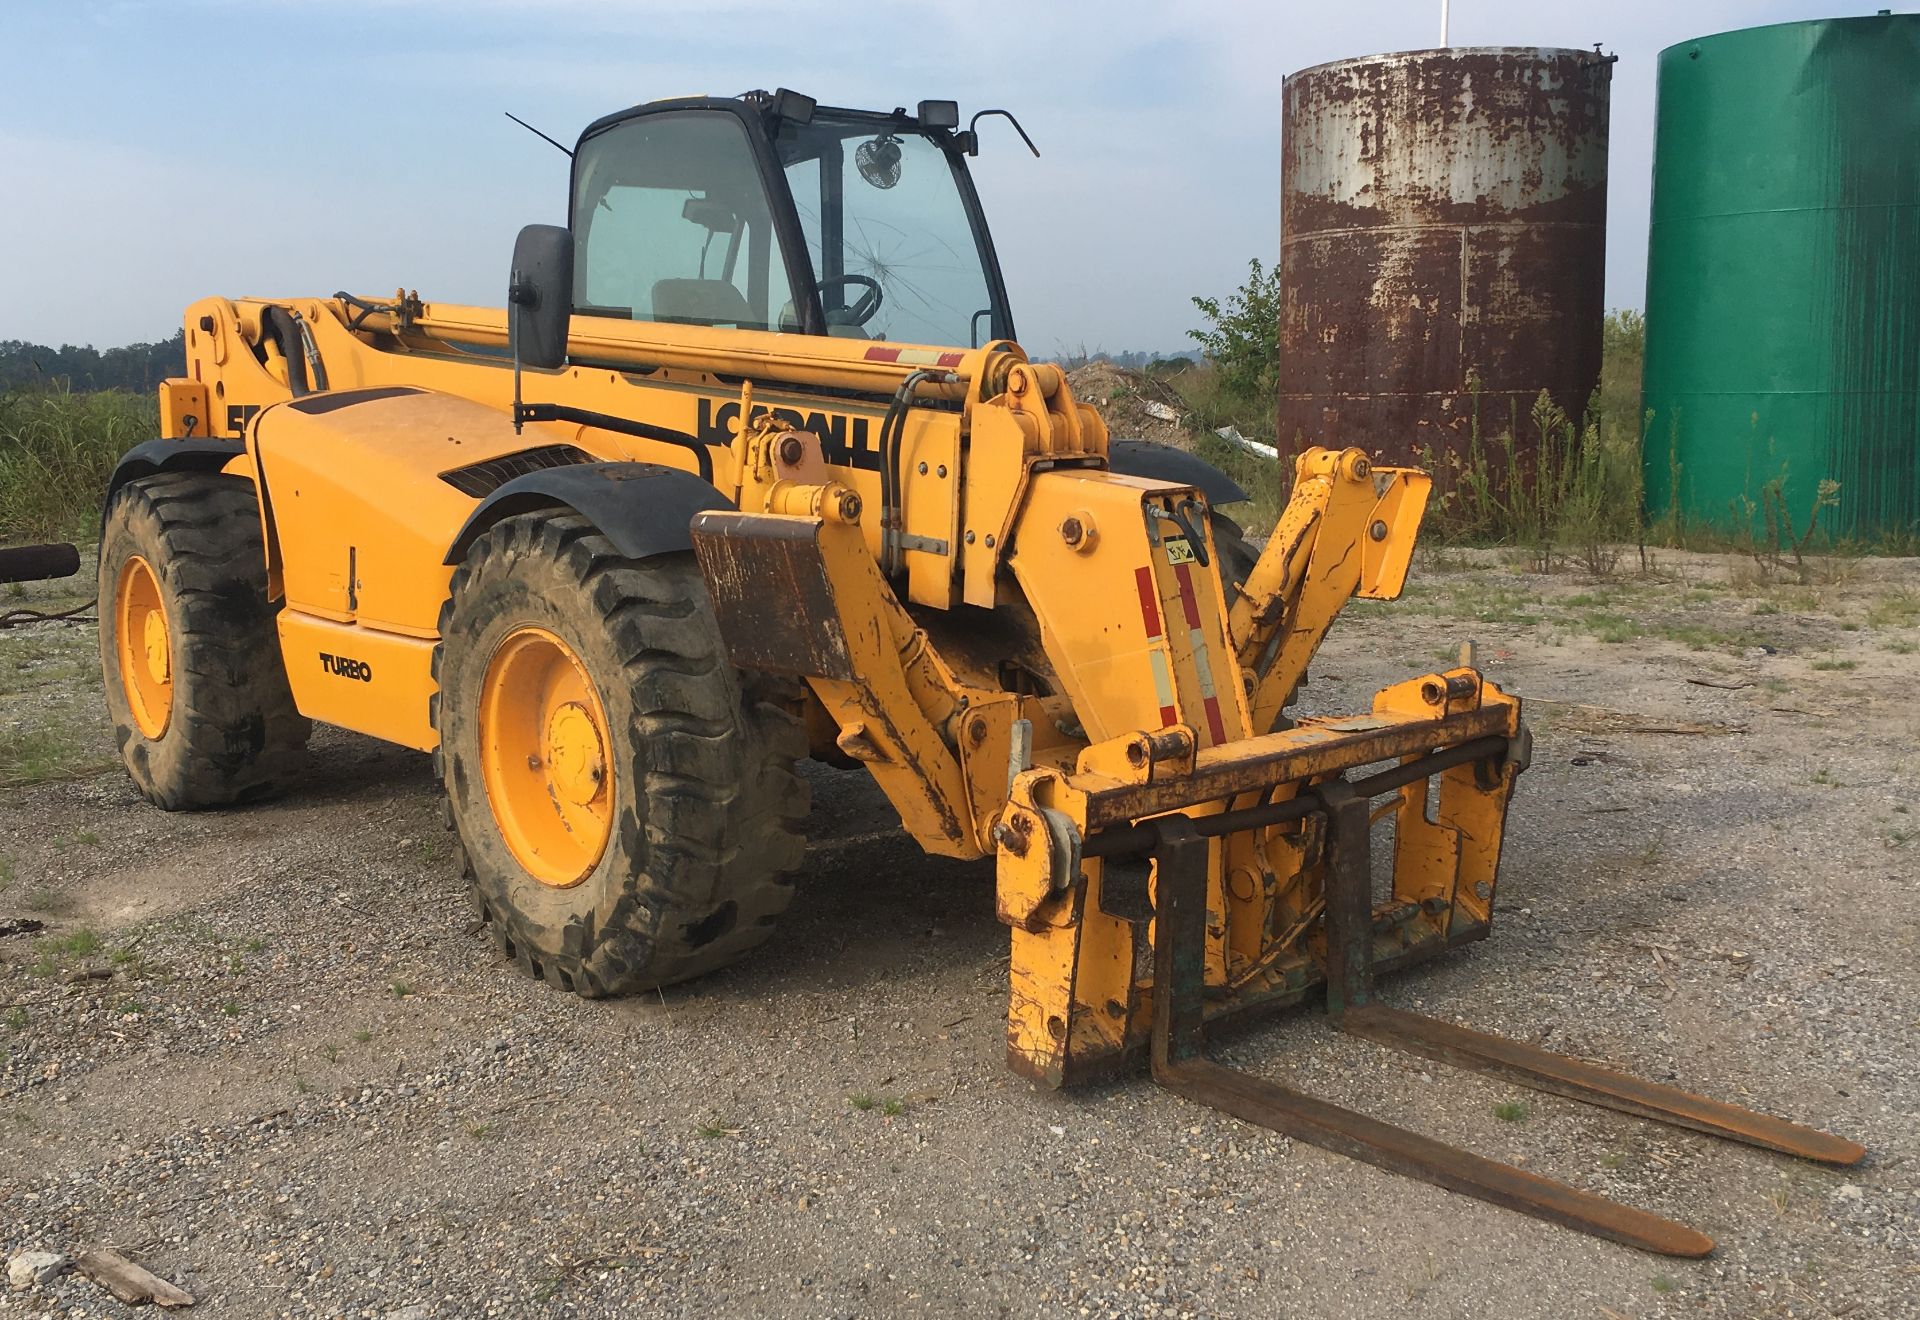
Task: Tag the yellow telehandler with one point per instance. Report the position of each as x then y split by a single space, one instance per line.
751 468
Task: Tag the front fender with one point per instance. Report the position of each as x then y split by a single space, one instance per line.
643 508
151 456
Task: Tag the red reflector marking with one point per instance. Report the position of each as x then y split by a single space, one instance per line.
1214 725
951 359
1149 607
883 355
1168 717
1184 572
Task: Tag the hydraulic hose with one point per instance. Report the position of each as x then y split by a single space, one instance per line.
287 333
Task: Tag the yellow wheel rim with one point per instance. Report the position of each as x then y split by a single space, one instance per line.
143 645
544 757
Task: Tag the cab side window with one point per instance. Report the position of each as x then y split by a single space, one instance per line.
672 223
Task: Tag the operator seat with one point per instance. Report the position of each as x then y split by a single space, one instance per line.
702 302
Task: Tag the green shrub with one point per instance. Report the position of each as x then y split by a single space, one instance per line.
1242 342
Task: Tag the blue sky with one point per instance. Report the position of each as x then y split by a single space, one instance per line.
157 151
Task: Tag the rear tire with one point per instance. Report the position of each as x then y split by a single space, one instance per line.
190 655
653 848
1237 557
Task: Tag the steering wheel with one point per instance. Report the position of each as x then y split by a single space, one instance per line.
863 307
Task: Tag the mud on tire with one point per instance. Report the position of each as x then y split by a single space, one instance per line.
229 732
706 804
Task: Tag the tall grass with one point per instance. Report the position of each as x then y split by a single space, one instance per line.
57 449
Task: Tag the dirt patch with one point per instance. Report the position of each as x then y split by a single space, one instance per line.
304 1085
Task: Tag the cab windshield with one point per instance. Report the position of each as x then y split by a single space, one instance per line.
885 211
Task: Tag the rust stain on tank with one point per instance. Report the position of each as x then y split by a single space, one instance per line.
1443 219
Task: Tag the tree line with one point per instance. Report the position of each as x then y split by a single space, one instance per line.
138 368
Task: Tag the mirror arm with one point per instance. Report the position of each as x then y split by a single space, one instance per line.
518 295
973 134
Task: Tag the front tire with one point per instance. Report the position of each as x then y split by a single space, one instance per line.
189 652
627 808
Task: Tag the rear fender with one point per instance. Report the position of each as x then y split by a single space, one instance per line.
1146 458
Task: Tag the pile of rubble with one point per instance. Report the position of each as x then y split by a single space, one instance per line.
1136 406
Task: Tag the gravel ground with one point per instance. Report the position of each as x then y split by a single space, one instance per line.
297 1083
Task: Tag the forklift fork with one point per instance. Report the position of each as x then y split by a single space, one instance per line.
1181 1065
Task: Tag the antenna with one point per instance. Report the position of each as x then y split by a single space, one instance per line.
1443 30
565 151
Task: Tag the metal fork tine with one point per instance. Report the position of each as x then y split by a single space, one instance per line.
1529 1066
1399 1151
1180 902
1350 1005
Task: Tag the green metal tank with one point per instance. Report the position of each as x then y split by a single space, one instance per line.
1783 275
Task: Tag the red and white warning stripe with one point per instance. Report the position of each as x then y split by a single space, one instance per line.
915 357
1162 675
1183 574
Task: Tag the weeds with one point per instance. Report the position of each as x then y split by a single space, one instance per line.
401 989
16 1017
80 944
890 1106
1780 542
1780 1199
1901 609
1511 1111
57 449
1572 496
54 953
41 756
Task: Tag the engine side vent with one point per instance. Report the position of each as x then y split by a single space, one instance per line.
482 479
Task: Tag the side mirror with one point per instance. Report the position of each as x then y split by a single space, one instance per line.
540 296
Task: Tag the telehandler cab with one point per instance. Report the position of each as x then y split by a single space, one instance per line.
751 469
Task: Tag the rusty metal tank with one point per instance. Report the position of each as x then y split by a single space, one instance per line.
1443 222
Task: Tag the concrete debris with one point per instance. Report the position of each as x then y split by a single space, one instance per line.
1231 434
30 1269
